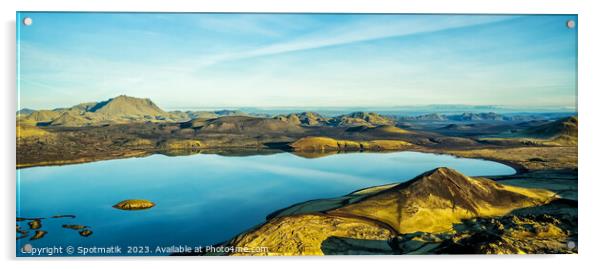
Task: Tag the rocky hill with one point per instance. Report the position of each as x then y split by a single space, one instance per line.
368 220
304 118
562 132
121 109
125 107
369 119
361 119
42 116
435 200
244 124
563 127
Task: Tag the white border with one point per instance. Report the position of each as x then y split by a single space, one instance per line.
589 110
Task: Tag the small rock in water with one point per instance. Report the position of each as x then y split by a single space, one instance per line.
134 204
22 219
63 216
39 234
74 226
23 233
35 224
85 233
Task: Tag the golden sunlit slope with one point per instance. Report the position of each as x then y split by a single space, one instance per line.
431 202
28 131
319 143
304 234
43 116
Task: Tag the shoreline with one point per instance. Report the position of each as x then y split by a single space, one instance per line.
518 169
520 174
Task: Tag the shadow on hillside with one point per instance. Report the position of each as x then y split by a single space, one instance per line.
336 245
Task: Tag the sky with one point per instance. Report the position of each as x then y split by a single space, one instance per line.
196 60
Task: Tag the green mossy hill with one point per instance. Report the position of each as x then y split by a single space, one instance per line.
318 143
290 118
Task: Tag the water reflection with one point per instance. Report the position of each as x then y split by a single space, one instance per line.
203 199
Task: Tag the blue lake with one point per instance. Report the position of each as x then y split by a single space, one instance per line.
203 199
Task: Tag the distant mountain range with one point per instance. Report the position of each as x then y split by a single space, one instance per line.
126 109
471 116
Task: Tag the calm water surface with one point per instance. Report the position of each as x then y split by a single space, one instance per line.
203 199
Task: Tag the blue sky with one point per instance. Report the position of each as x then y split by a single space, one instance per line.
297 60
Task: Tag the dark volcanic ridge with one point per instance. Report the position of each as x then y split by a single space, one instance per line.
567 127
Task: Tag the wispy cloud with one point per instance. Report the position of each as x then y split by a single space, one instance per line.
363 30
234 60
